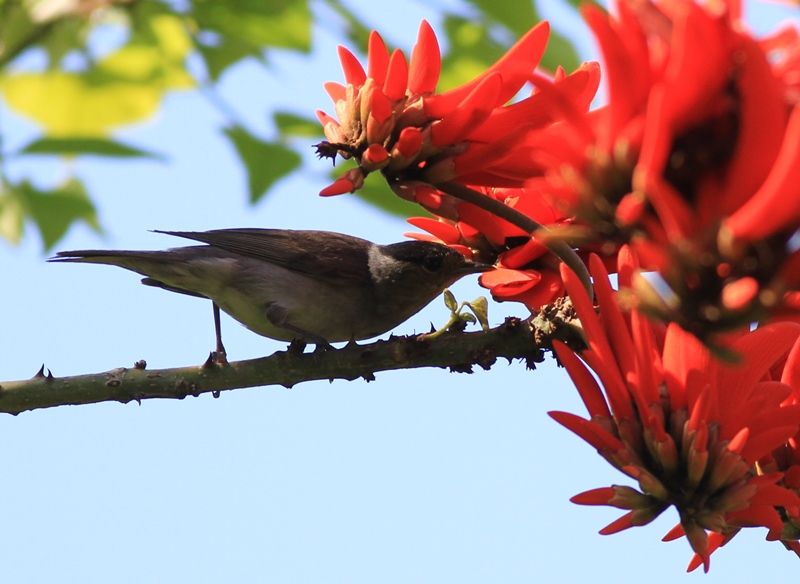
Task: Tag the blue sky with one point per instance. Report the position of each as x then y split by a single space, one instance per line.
420 476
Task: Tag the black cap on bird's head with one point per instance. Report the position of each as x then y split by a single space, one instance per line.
433 258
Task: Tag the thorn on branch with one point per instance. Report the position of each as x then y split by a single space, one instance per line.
50 376
368 377
39 373
463 368
140 364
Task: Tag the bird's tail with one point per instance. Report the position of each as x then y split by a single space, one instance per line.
136 261
157 266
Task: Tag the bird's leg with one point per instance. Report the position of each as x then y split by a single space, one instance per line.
220 356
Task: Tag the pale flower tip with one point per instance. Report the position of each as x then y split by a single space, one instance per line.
339 187
738 294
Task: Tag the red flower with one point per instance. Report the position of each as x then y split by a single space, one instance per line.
688 428
694 161
390 118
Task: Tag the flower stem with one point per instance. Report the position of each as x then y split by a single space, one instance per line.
560 248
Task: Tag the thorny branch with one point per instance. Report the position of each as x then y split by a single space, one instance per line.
457 351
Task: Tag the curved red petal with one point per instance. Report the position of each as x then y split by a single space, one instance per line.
377 58
396 76
426 62
353 71
514 67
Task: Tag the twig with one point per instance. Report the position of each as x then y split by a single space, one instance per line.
515 339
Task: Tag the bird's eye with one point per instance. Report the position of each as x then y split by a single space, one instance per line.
432 263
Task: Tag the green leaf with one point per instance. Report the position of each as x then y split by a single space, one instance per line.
355 30
292 125
377 193
515 15
258 23
56 210
222 54
472 50
94 146
265 162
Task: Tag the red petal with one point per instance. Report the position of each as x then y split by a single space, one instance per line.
396 77
469 114
378 58
446 232
593 434
584 381
339 187
514 68
775 205
353 71
601 496
336 91
426 62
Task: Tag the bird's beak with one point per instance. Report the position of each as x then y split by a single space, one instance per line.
475 268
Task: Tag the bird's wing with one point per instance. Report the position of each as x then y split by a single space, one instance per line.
320 253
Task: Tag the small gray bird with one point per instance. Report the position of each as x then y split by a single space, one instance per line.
312 286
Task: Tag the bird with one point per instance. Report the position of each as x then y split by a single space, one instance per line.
309 286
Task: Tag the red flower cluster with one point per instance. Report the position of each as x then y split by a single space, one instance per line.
689 429
691 170
695 160
390 119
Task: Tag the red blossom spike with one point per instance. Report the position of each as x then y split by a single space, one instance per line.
445 232
632 519
426 62
590 392
396 76
613 321
353 71
759 350
758 218
521 256
601 496
475 108
339 187
715 541
409 142
598 343
738 442
763 443
336 91
676 532
761 125
589 432
621 524
514 69
375 157
506 284
378 58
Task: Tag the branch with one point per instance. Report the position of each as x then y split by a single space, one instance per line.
514 339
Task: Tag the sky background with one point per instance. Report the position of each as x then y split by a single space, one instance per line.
420 476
